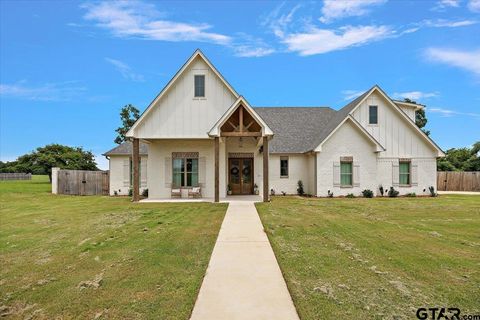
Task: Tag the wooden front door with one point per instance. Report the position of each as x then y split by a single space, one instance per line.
240 175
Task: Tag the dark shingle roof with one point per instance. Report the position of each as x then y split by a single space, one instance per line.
126 149
295 129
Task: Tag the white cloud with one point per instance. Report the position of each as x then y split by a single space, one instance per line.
467 60
64 91
474 5
125 70
449 113
335 9
351 94
415 95
249 51
141 20
442 5
317 41
449 23
279 22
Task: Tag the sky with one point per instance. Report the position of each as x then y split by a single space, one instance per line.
67 68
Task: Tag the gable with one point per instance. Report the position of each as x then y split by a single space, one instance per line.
176 113
395 130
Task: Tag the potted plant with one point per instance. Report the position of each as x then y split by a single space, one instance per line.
255 189
229 189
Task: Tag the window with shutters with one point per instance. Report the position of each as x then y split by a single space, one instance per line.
283 167
185 172
373 115
404 171
346 173
199 86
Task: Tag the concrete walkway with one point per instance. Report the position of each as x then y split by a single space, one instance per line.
243 279
470 193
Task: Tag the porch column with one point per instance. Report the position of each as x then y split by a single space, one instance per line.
265 169
217 169
135 165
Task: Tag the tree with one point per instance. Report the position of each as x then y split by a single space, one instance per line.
43 159
128 115
461 159
420 117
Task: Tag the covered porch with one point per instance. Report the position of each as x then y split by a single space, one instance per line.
231 161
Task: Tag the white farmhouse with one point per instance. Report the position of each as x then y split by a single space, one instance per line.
199 136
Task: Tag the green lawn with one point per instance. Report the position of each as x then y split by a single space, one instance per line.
148 260
377 258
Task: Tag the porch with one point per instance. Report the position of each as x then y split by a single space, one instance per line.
227 199
233 159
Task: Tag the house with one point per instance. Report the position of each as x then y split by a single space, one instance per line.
199 132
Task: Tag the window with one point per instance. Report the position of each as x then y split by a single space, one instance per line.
199 86
404 173
185 172
284 167
373 115
346 174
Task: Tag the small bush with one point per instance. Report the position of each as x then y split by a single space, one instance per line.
284 193
115 193
367 193
130 192
330 194
411 195
432 191
382 191
300 190
145 193
392 193
350 195
272 192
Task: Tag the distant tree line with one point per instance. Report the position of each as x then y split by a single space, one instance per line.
44 158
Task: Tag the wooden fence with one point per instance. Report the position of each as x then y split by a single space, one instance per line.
81 182
458 181
15 176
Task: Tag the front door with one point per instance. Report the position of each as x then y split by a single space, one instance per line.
240 173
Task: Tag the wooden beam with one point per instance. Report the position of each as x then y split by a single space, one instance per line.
217 169
265 170
241 119
248 125
241 134
135 165
233 126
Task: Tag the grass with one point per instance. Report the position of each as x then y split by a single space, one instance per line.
377 258
148 260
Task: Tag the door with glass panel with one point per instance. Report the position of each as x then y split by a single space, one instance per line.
240 177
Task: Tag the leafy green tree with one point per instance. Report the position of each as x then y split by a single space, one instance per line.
43 159
461 159
420 117
128 115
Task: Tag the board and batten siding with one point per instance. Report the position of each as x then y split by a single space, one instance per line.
178 114
119 166
393 131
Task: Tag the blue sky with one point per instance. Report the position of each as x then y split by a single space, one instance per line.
66 68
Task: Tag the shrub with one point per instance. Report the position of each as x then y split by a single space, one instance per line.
411 195
367 193
432 191
392 193
115 193
130 192
300 190
284 193
330 194
145 193
350 195
272 192
382 191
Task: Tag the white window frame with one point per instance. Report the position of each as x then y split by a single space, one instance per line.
369 108
283 158
195 97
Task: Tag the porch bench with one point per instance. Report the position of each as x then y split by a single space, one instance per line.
195 192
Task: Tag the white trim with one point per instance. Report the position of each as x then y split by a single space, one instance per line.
358 125
197 53
215 131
